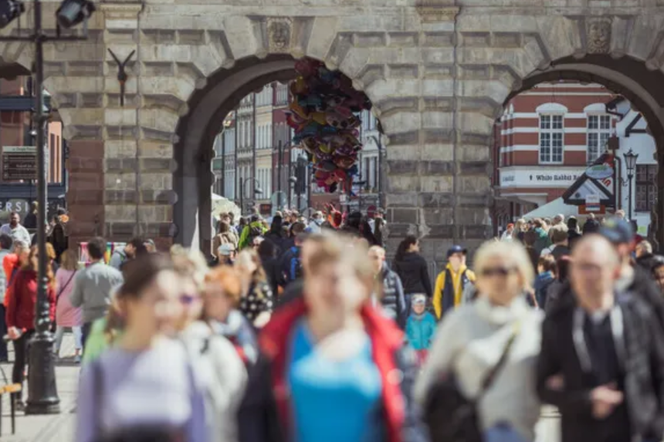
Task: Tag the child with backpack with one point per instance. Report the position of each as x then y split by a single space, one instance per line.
420 327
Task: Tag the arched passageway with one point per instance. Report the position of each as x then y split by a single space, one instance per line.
627 77
330 119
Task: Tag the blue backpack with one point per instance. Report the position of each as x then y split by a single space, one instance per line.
294 265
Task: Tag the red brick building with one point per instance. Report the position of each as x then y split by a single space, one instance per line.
544 141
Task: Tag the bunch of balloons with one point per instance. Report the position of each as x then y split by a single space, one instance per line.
323 108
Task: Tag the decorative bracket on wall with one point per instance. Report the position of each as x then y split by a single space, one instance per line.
122 74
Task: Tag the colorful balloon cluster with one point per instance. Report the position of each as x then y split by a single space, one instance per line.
323 104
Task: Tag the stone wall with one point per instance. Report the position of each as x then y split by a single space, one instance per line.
437 75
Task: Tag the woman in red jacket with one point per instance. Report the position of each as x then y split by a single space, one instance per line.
332 367
21 313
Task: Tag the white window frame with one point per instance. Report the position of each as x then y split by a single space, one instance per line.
551 132
598 132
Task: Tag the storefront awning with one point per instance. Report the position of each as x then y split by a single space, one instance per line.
553 208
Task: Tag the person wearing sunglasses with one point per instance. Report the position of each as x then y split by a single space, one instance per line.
472 339
145 382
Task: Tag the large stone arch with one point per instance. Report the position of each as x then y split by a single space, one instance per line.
437 76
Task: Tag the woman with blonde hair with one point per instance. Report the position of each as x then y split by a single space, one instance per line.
256 301
334 368
495 338
66 315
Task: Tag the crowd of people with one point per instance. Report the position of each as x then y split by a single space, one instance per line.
292 333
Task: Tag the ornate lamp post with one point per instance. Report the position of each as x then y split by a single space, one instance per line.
42 391
630 165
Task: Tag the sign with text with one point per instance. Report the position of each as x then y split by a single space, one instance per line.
19 163
535 176
600 171
593 203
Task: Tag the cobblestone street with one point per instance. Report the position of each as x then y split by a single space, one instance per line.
49 428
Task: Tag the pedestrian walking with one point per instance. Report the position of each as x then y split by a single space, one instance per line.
275 235
291 259
21 314
330 360
633 279
267 252
256 302
451 282
546 275
602 358
508 234
5 251
573 233
225 235
12 263
66 315
133 249
15 230
391 297
420 328
657 271
412 269
543 240
560 247
145 383
591 225
482 361
93 285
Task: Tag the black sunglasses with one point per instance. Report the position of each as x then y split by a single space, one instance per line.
498 271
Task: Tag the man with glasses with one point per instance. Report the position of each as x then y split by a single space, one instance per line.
602 356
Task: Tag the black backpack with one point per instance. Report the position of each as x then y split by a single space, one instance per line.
449 415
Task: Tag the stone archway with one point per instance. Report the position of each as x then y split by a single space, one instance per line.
436 74
633 79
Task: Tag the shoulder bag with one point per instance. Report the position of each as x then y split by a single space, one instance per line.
449 415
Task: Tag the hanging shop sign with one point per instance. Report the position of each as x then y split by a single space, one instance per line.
593 203
19 163
599 171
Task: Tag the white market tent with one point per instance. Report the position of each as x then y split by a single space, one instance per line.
553 208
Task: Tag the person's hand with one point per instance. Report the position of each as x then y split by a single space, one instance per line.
13 333
605 399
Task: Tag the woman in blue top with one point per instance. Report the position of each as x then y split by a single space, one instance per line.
334 369
144 384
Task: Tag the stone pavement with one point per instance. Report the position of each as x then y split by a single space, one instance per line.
48 428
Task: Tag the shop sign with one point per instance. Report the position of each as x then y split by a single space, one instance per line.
599 171
22 207
19 163
539 177
593 203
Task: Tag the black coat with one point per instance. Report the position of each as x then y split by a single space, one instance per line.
643 364
414 273
643 287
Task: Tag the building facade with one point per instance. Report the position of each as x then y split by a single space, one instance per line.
16 104
548 136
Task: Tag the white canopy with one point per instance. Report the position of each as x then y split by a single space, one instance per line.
224 205
553 208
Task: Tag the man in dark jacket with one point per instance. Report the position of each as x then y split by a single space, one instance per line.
602 357
632 279
393 299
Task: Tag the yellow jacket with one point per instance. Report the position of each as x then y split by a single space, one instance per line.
459 281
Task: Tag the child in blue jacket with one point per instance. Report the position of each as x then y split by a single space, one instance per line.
420 327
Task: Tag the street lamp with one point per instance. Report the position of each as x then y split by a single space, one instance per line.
42 390
257 190
291 182
630 165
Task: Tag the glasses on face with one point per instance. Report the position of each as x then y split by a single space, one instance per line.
503 272
187 299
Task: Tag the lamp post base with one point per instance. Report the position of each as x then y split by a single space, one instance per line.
42 391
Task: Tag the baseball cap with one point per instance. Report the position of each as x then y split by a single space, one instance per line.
418 299
456 249
618 231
